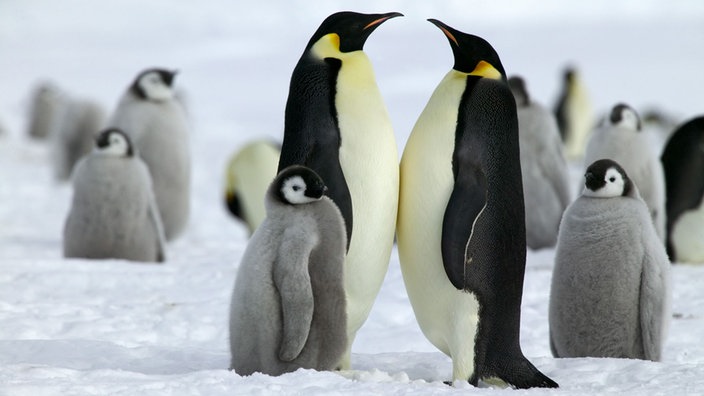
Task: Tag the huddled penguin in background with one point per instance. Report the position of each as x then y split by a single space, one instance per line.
336 123
113 213
248 174
610 293
78 126
288 304
620 138
683 163
157 125
574 113
546 185
47 104
461 224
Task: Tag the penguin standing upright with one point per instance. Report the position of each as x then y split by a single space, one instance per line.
461 223
543 167
574 113
79 124
620 138
288 304
610 286
337 124
248 174
683 164
113 213
158 126
47 105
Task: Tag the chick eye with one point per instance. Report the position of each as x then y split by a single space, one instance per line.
612 179
296 188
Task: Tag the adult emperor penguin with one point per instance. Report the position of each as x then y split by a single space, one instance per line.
113 213
337 124
288 304
546 185
575 116
683 163
461 224
248 174
610 285
621 139
157 124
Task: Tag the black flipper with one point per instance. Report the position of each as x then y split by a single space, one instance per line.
466 202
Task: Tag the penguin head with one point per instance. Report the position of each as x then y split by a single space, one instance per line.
518 88
346 31
154 84
298 184
114 142
473 55
624 116
605 178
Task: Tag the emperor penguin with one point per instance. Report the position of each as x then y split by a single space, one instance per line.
610 292
461 224
336 123
683 163
47 103
288 304
248 174
113 213
157 124
620 138
546 185
74 137
574 113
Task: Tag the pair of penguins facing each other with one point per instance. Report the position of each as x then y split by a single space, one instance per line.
132 192
460 223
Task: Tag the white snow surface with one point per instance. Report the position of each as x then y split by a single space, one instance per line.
111 327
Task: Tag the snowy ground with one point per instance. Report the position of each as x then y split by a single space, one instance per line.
77 327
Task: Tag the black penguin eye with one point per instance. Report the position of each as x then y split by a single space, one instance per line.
296 188
612 179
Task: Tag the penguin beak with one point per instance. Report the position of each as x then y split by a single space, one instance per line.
169 76
384 18
590 181
448 31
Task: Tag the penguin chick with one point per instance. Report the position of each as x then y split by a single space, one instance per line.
248 175
78 126
574 113
337 124
543 167
683 164
113 213
157 124
47 105
610 288
461 223
620 138
288 304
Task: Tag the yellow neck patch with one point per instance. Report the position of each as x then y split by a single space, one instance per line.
328 46
486 70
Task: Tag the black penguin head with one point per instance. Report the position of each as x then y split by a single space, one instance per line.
473 55
605 178
625 116
154 84
518 88
298 184
114 142
349 30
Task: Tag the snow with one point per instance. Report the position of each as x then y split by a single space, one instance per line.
77 327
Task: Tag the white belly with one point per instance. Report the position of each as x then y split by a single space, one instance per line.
688 236
447 316
369 161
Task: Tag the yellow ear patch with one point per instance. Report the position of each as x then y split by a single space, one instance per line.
486 70
327 46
